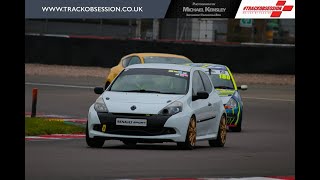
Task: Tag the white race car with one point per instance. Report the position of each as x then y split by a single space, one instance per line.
149 103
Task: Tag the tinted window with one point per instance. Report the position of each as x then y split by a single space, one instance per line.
206 82
134 60
147 80
165 60
125 61
197 84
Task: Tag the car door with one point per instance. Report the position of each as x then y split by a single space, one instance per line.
201 107
213 105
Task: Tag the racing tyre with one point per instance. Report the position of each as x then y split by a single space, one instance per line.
238 127
222 134
93 142
106 85
190 141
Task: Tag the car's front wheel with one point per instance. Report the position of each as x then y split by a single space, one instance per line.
190 141
222 134
93 142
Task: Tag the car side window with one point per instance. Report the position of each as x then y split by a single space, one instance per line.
134 60
197 84
206 82
125 61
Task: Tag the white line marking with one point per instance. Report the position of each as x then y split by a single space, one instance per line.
50 35
59 85
270 99
38 137
89 87
56 35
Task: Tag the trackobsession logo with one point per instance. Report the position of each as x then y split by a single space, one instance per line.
266 9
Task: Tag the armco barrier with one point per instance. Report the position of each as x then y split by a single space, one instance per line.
107 53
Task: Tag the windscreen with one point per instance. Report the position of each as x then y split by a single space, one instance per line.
148 80
221 79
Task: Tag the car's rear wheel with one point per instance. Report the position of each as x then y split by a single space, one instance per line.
106 85
93 142
190 141
222 134
238 127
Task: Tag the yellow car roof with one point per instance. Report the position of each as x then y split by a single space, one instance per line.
158 55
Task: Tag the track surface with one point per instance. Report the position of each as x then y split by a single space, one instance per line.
265 147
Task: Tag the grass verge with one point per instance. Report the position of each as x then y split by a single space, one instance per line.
41 126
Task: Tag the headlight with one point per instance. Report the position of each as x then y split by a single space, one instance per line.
172 108
100 106
231 104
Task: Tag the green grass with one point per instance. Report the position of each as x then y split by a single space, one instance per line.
41 126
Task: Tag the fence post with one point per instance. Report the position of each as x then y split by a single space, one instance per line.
34 102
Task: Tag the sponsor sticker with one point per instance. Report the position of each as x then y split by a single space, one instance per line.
224 76
131 122
179 73
104 128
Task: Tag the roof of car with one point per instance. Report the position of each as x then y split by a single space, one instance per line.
178 67
208 65
158 55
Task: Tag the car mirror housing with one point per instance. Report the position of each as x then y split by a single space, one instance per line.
98 90
200 95
243 87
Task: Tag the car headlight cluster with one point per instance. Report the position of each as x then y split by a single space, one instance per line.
100 106
231 103
172 108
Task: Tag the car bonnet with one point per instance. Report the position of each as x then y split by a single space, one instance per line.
225 94
149 103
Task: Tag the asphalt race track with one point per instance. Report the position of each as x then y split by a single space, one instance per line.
265 147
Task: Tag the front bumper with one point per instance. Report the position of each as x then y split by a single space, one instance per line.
233 116
159 128
155 125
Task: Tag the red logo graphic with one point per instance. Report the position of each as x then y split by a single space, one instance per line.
275 10
285 8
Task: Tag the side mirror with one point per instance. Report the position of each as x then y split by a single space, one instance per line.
243 87
200 95
98 90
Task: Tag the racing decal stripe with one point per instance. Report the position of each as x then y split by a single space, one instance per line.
231 120
233 81
207 119
228 121
238 115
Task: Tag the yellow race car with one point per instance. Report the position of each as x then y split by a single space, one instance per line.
140 58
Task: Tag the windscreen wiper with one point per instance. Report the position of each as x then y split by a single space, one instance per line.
143 91
222 87
169 93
